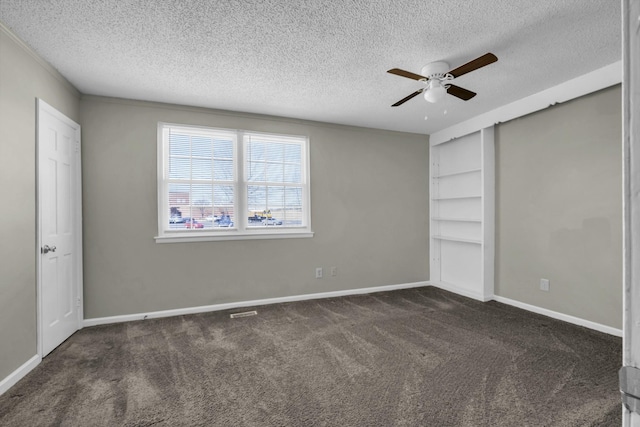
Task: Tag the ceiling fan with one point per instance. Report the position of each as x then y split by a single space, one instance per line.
437 79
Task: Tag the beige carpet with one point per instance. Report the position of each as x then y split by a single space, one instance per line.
418 357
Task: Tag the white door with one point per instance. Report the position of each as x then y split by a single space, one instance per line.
60 257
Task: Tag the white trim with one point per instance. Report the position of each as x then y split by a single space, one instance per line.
571 89
160 167
78 229
461 291
631 193
11 379
229 236
488 186
252 303
560 316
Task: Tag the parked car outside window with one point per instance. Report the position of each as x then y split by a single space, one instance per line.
271 221
224 221
192 223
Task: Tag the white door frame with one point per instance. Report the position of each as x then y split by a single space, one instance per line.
631 191
42 106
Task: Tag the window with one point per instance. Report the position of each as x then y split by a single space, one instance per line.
220 184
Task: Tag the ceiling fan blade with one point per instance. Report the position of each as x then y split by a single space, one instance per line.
407 74
405 99
460 92
486 59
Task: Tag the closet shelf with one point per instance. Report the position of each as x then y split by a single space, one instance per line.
457 219
458 239
462 172
457 197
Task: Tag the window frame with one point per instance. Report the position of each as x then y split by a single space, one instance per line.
241 230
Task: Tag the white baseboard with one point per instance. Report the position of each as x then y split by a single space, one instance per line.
535 309
19 373
461 291
560 316
227 306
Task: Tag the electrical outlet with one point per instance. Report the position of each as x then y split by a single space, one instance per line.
319 273
544 285
334 271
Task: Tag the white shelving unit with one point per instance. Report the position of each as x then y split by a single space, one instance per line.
462 214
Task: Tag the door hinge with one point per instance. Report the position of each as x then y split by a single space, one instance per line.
630 388
77 146
78 303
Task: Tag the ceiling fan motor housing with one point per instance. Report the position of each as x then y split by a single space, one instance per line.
436 69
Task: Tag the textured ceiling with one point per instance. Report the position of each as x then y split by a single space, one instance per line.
318 59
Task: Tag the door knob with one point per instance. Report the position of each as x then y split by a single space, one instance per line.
47 249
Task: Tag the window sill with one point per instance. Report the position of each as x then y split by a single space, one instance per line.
232 235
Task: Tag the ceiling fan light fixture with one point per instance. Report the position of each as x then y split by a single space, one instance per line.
438 80
436 92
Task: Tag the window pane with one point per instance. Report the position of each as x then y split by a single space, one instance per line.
293 197
293 206
179 145
223 218
202 195
179 200
275 198
255 150
292 153
256 171
201 146
275 172
201 169
292 174
197 204
202 206
179 168
275 207
257 197
274 152
223 195
223 170
271 161
179 194
223 148
223 209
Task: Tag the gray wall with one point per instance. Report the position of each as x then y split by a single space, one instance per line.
369 213
23 78
559 208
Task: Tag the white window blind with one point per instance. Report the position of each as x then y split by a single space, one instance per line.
201 180
275 184
223 184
